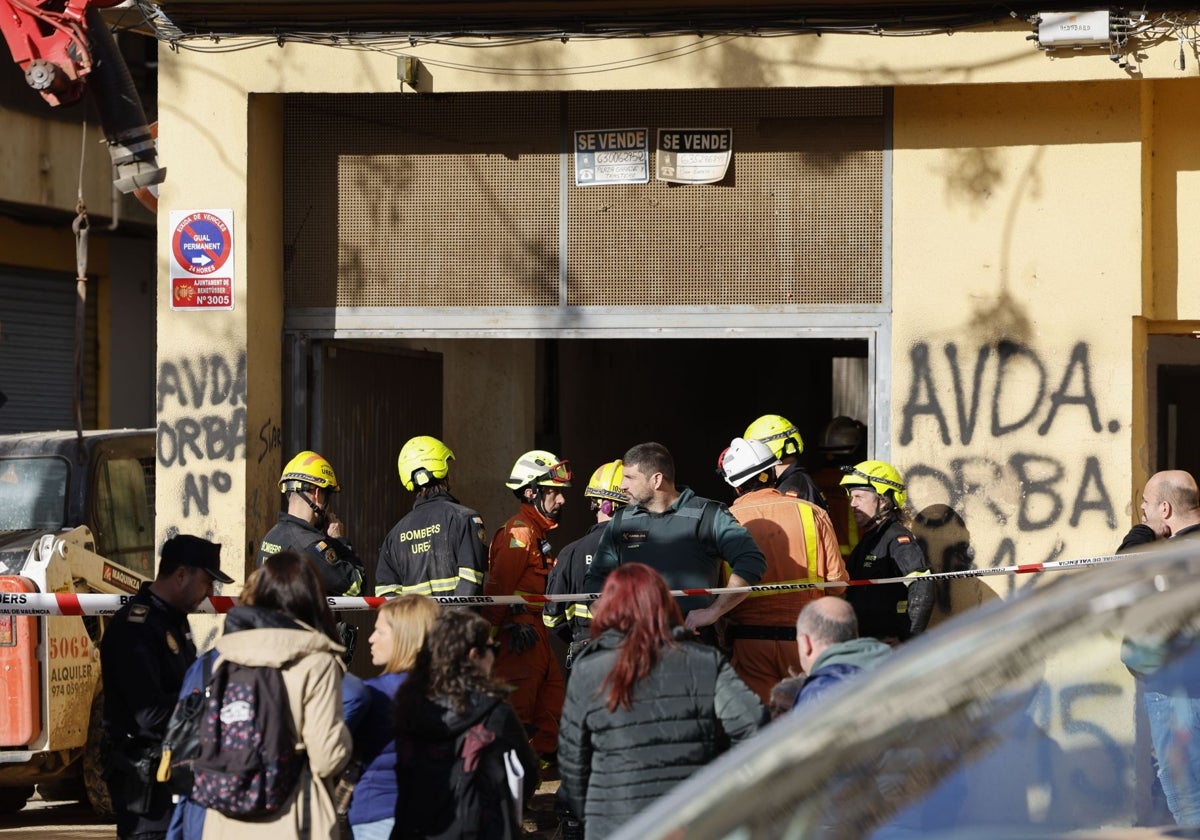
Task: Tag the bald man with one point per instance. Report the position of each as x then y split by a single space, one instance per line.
1171 504
1170 687
831 650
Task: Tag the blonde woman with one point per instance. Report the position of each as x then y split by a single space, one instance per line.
400 628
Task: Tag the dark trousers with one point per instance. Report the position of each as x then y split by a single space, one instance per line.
151 825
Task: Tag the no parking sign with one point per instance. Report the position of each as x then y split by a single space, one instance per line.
201 244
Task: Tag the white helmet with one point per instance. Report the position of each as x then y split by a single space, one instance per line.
745 459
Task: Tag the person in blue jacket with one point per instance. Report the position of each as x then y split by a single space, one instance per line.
831 650
400 629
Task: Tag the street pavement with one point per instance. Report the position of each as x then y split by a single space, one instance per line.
68 820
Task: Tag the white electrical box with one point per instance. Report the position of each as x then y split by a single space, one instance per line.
1073 29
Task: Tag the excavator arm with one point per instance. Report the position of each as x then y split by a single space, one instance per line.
67 50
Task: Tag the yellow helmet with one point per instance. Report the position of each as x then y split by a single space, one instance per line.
778 433
422 460
605 483
538 466
307 468
880 476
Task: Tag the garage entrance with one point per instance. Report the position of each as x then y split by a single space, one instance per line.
586 399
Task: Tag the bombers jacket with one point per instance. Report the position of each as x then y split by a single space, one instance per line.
572 621
519 561
796 480
614 764
341 570
799 543
890 610
439 548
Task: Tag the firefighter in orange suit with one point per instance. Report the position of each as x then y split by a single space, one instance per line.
800 545
518 563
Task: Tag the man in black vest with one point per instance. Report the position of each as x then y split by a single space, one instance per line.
685 538
144 654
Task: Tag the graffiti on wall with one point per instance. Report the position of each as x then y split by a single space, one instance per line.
205 398
1003 414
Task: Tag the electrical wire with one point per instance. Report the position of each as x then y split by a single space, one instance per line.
1131 32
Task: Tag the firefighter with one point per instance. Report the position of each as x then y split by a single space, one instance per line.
310 529
146 650
843 442
572 621
891 612
800 545
783 437
440 547
518 563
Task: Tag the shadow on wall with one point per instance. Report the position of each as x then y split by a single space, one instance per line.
943 536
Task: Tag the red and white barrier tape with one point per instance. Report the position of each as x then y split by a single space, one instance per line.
35 603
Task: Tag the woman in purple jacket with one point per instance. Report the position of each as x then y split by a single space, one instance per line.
400 629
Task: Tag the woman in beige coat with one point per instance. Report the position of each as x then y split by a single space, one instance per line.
289 627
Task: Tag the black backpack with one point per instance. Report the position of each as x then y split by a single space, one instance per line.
457 788
248 764
181 744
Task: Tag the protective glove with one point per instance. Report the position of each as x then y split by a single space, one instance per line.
521 636
349 634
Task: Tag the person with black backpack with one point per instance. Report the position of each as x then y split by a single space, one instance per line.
272 735
463 761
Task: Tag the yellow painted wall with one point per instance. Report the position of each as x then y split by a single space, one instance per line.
218 372
1011 382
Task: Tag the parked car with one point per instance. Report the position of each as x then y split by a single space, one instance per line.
1016 719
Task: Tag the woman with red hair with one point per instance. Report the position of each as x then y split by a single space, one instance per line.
645 705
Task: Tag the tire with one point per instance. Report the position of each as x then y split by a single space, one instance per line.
93 764
13 799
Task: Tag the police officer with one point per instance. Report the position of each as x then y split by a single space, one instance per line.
310 529
890 612
440 547
685 538
144 654
781 435
572 621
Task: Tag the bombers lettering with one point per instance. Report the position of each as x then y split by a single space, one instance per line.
421 533
464 599
12 598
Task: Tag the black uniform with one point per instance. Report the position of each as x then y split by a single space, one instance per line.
144 654
890 610
341 570
796 480
440 548
572 620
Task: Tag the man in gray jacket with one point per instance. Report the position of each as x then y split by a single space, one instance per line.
830 648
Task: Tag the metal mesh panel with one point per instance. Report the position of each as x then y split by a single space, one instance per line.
422 200
453 200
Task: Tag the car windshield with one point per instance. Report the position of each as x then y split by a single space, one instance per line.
1034 717
33 493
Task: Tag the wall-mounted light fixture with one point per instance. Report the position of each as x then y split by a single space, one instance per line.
408 70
